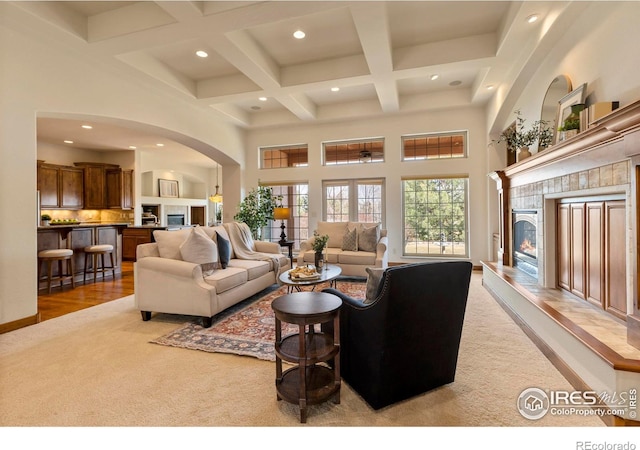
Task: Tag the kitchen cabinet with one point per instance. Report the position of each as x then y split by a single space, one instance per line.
107 186
61 187
134 236
119 188
71 188
94 185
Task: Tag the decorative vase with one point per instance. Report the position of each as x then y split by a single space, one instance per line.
46 222
523 153
319 261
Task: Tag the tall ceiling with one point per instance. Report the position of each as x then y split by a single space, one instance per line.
383 56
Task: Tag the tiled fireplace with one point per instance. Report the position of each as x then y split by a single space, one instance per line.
568 213
596 168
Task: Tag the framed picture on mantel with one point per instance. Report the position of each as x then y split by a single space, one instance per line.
577 96
168 188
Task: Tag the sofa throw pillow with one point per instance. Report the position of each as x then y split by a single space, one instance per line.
224 251
199 248
374 276
350 240
368 238
169 242
335 231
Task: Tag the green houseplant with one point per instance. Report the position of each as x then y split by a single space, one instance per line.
518 137
318 245
257 209
46 219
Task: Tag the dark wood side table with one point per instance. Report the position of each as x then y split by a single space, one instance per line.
311 381
289 245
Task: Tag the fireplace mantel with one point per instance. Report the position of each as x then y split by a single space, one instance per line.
601 162
616 126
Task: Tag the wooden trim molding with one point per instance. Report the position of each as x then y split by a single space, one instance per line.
21 323
612 358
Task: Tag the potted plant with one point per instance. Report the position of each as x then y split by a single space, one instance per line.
46 220
571 125
517 137
257 209
219 215
318 245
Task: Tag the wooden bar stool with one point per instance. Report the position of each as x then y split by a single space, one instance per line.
98 253
51 256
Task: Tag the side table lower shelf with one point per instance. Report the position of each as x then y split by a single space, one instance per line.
319 380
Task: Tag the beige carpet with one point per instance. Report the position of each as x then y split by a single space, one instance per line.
96 367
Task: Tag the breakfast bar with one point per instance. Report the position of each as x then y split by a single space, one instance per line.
77 236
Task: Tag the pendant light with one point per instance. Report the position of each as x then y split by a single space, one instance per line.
217 197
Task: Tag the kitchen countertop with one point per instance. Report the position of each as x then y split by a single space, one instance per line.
83 225
145 227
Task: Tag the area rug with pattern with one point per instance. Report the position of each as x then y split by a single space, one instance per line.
247 328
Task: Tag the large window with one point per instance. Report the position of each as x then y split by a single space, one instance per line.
434 146
284 156
360 200
435 217
295 196
359 151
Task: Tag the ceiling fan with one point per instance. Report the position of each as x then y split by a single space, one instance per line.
370 155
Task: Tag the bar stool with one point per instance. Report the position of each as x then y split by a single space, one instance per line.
51 256
98 251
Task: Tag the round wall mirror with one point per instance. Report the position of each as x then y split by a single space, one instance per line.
559 87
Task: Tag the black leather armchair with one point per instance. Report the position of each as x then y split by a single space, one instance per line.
406 341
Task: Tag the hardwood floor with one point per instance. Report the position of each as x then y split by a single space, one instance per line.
66 300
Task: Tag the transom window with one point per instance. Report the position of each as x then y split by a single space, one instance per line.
435 217
434 146
284 156
357 200
359 151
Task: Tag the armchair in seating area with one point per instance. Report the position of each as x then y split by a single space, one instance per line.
403 339
353 246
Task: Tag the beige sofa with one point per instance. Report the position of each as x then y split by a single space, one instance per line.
165 283
372 253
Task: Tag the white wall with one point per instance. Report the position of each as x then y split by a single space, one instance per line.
39 76
393 169
597 50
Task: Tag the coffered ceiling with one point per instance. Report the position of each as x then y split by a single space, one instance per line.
388 57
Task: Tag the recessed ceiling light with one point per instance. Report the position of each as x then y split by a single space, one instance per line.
132 147
299 34
455 83
256 108
68 142
434 77
490 87
202 54
335 89
87 127
262 99
159 145
532 18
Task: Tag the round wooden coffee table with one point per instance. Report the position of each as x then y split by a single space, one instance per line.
312 380
329 273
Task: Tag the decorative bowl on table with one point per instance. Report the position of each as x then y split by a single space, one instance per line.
303 273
